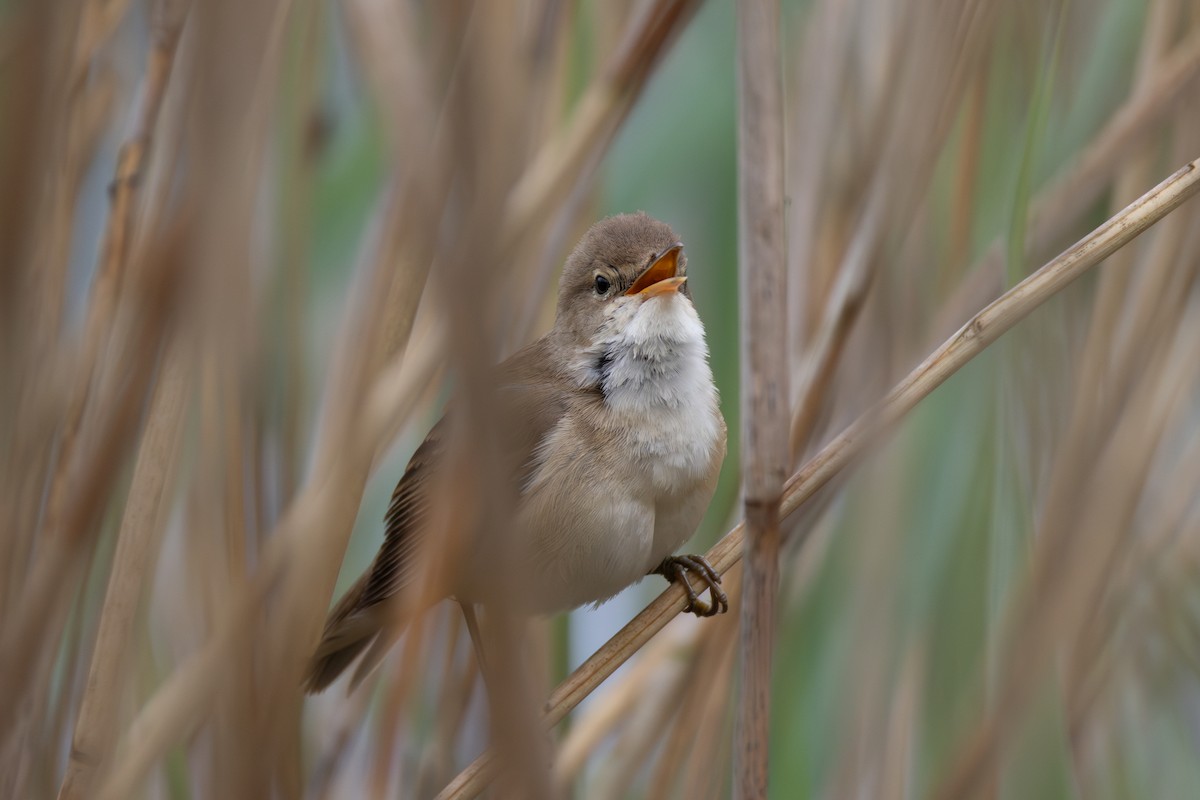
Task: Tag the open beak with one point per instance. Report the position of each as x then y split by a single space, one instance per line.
659 277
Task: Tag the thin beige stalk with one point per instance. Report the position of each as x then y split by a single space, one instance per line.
1061 588
597 117
1078 186
896 160
114 253
603 718
555 191
137 543
689 748
972 339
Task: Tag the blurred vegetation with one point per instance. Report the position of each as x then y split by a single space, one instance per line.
911 589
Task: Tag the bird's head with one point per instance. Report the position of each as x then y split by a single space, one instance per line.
626 266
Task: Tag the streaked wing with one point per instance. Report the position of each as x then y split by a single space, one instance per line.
407 514
531 401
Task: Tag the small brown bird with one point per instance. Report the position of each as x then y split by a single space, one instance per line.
613 432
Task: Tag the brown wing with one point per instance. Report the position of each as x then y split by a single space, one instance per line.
532 399
406 516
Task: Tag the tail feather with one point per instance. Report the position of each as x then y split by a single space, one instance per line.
324 670
349 629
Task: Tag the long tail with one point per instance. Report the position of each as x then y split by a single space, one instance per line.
349 629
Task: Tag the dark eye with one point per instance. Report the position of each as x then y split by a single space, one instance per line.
602 284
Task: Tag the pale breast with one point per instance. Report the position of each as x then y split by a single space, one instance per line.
660 397
626 473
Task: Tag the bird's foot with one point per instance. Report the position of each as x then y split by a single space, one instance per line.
676 569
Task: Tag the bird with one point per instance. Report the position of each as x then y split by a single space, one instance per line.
614 435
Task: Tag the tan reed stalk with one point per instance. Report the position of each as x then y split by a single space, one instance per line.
932 75
709 761
602 719
26 642
597 116
1135 173
658 709
61 560
1078 185
903 713
454 697
973 338
559 176
308 135
1093 510
1155 302
690 745
137 543
765 396
114 254
1081 183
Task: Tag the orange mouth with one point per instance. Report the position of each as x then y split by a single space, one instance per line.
663 287
659 277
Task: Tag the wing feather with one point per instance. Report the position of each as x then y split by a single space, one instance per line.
532 398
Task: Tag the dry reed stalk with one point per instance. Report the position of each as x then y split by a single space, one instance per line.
489 120
137 544
1103 648
709 761
1154 305
597 116
1077 186
897 160
610 712
239 608
1064 581
864 722
764 392
454 697
1134 174
900 723
348 724
973 338
386 734
78 84
53 130
693 738
559 177
1124 390
1081 183
38 373
60 564
660 707
35 631
115 250
307 126
825 46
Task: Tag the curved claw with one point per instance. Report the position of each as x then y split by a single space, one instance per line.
676 569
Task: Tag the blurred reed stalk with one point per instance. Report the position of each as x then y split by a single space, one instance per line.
146 509
765 398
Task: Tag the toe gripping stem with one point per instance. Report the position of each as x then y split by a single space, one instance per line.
676 569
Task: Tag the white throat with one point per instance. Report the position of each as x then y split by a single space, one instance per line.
650 362
651 354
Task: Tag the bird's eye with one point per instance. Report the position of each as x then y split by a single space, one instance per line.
603 284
